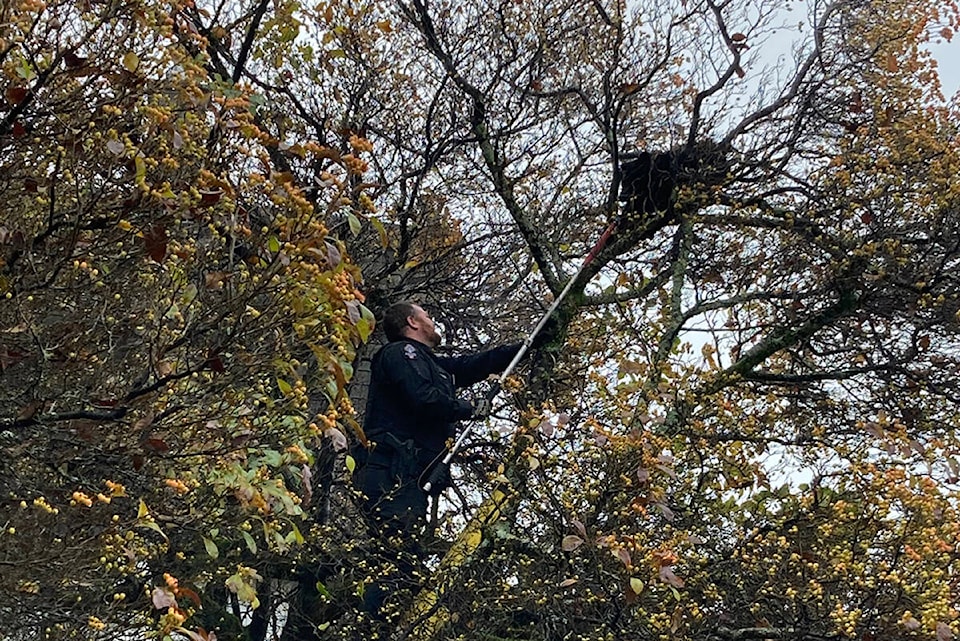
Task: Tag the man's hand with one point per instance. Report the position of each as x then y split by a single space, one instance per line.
482 409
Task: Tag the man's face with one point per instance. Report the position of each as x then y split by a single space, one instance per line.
424 327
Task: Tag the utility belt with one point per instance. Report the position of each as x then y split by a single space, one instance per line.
405 460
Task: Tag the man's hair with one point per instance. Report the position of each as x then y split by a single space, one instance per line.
395 320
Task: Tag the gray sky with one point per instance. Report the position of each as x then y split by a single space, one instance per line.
948 57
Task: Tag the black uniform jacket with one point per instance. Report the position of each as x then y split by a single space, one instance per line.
413 391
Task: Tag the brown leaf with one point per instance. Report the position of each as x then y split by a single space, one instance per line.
190 594
28 411
667 512
210 197
306 476
353 311
155 242
891 63
31 185
333 255
215 280
154 444
215 363
738 37
944 632
163 598
580 527
19 131
16 94
623 555
73 61
570 543
667 576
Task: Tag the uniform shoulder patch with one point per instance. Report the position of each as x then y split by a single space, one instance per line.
410 351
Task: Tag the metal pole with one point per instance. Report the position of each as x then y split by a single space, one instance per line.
524 348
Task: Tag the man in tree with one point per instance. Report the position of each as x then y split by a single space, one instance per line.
412 410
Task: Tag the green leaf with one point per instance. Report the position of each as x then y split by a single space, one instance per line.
367 315
382 231
354 223
273 244
273 458
284 386
364 329
323 591
211 548
251 544
351 464
131 61
297 536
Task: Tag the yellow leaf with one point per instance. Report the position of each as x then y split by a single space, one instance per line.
142 511
636 585
385 26
131 61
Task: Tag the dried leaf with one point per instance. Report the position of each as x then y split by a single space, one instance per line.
163 598
215 280
155 241
944 632
306 478
353 311
15 94
333 255
337 438
570 543
210 197
667 576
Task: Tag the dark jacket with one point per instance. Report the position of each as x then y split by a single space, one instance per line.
413 391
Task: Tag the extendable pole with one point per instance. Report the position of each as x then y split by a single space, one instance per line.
524 348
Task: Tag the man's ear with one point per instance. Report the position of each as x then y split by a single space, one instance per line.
412 323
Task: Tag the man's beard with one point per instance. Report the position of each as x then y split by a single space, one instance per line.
435 339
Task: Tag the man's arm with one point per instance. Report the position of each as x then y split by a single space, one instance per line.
471 369
411 375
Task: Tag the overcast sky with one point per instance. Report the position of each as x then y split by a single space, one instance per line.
948 55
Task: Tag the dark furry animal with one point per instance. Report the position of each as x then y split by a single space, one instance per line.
649 181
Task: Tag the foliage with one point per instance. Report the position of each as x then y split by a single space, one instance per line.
169 293
744 428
